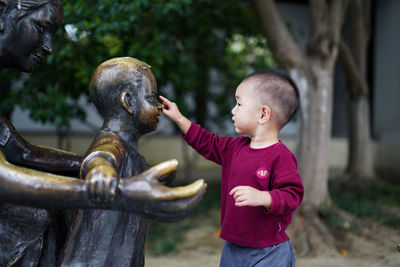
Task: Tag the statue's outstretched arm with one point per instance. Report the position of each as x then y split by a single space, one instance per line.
19 185
144 193
141 194
22 153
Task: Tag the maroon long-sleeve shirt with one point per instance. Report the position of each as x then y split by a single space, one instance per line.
243 165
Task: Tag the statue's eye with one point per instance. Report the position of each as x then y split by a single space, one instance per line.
42 26
39 27
152 99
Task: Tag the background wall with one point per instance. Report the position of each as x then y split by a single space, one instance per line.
386 86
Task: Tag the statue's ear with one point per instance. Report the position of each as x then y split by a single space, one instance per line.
128 102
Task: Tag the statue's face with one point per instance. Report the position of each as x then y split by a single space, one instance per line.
32 38
149 107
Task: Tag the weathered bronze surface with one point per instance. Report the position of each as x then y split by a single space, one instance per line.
125 93
29 236
118 190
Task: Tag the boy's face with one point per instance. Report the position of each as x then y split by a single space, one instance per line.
149 107
247 109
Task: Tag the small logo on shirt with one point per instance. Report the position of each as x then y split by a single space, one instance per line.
262 173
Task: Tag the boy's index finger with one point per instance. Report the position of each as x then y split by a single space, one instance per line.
164 99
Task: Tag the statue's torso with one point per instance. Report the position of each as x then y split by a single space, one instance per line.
109 238
29 236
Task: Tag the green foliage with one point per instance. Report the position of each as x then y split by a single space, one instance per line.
244 54
375 199
183 40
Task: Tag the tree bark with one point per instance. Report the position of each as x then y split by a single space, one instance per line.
313 74
360 161
353 58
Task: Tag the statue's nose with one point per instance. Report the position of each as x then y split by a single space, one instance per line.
160 107
47 45
48 50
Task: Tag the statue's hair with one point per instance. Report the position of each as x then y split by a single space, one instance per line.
111 78
26 4
17 9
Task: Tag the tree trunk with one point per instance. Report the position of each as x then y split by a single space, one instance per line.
354 60
360 160
314 135
311 236
313 74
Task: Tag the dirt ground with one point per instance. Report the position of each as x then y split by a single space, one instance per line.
202 248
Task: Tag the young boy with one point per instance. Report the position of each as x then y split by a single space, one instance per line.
261 186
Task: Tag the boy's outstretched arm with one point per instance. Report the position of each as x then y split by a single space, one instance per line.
171 110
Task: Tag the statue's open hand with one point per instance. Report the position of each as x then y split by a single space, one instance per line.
101 185
145 195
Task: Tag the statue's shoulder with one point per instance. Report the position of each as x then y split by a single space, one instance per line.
106 139
107 142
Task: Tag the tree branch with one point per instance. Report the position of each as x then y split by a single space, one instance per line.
354 74
326 18
281 43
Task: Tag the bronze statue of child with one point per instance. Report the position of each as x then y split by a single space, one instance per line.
124 91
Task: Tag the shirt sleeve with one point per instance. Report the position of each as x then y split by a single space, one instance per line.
287 189
208 144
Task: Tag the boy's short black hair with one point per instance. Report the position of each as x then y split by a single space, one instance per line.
280 91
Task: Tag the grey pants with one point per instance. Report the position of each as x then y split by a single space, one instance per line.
281 255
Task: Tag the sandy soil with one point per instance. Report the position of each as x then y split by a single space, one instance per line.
202 247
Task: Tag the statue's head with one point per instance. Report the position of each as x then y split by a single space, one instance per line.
126 89
26 31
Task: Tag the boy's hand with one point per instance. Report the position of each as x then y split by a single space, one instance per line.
171 110
249 196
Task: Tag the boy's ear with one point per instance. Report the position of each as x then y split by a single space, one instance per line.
265 114
127 101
